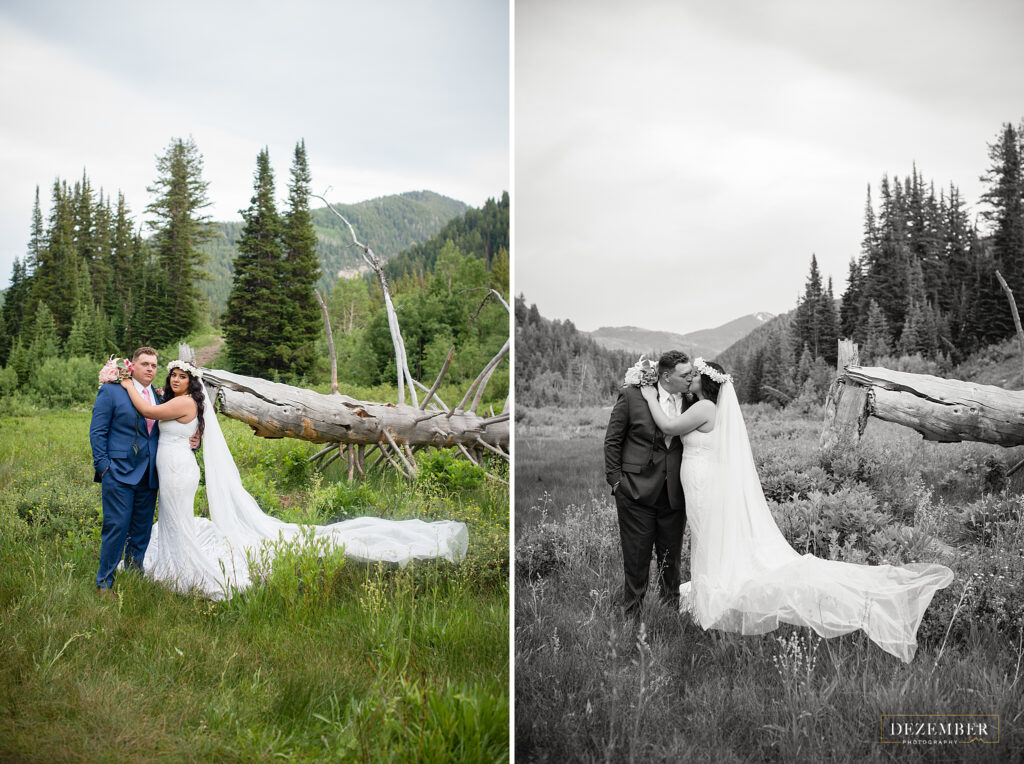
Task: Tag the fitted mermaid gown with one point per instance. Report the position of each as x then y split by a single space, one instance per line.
746 578
211 556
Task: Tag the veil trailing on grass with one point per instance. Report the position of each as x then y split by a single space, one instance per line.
239 519
746 578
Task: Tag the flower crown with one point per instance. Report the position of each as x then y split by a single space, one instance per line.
185 366
701 365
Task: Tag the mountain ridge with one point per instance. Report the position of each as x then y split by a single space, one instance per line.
702 342
387 224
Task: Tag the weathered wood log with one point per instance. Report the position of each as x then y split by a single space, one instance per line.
846 408
276 410
944 410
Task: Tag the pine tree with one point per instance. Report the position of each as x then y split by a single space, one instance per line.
777 364
815 323
13 312
255 313
302 320
125 280
1005 206
56 274
43 340
37 239
851 322
878 341
912 337
180 229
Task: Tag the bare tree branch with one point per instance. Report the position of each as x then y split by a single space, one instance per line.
330 342
437 382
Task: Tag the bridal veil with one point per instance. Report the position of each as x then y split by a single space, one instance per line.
746 578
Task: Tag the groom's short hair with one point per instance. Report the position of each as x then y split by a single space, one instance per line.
670 360
144 350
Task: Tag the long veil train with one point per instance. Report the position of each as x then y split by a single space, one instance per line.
746 578
218 550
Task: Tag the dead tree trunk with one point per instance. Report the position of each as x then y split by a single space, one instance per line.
944 410
846 412
276 410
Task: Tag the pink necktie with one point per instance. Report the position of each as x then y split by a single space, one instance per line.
149 422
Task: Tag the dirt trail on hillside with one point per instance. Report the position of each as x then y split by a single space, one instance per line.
208 353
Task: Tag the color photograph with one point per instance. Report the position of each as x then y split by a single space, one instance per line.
255 383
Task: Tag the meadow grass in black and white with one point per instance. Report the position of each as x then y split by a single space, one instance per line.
593 687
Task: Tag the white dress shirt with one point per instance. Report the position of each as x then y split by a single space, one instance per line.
150 396
671 404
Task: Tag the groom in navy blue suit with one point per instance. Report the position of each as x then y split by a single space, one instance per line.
124 447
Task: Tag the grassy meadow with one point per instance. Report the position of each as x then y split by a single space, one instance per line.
591 686
323 660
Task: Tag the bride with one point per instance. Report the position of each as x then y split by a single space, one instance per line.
745 577
212 556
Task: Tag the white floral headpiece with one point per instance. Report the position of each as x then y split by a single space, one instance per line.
185 366
701 365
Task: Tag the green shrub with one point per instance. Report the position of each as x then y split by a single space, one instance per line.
441 468
8 381
262 488
65 381
291 466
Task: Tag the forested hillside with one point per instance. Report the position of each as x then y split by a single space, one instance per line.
558 365
92 284
393 223
922 295
483 232
443 300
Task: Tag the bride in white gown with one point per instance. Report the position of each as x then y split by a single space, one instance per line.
212 556
744 576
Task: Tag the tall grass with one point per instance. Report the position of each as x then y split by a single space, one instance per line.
323 660
592 686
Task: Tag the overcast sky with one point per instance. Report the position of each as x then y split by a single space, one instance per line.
677 163
390 96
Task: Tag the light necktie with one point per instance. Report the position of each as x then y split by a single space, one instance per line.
149 422
670 406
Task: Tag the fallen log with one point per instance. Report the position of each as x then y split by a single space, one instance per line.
944 410
276 410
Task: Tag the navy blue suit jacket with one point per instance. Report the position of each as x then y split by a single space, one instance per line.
116 427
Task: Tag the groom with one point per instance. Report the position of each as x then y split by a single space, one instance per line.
124 447
642 467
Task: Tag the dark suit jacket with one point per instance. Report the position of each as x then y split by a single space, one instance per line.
635 455
116 426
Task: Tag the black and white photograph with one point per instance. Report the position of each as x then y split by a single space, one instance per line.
769 369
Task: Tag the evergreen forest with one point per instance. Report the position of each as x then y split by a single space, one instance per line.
98 280
922 295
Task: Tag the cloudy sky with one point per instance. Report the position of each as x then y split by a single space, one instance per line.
390 96
677 163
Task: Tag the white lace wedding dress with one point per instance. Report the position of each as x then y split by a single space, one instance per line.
211 556
746 578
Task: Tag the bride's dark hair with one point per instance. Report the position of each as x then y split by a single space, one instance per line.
708 386
195 389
